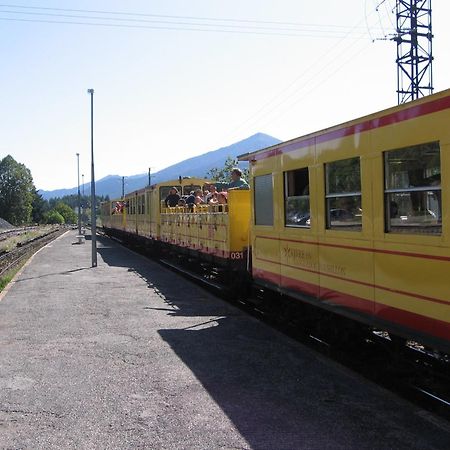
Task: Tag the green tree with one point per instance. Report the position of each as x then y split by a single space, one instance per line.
53 217
67 212
223 174
40 207
16 191
72 200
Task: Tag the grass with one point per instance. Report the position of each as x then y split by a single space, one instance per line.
5 279
10 243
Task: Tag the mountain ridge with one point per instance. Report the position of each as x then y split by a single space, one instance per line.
196 166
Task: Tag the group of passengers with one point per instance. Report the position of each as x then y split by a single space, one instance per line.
209 195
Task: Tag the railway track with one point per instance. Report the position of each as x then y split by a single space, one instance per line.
6 234
416 375
9 260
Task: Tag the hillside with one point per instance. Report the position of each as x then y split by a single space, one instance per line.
197 166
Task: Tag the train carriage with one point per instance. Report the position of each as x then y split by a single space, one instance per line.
356 219
138 212
216 235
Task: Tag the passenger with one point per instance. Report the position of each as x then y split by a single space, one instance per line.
222 198
236 181
393 209
213 199
190 200
212 194
172 199
119 208
199 197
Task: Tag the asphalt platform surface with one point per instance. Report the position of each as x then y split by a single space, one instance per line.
129 355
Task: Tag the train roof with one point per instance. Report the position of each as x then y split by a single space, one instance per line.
426 105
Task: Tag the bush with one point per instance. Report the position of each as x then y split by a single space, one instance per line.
66 212
54 217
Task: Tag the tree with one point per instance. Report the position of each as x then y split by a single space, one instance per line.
67 212
40 207
53 217
16 191
224 174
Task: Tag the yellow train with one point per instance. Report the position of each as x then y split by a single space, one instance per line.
215 233
354 219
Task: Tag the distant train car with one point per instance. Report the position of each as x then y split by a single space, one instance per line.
138 213
356 219
216 234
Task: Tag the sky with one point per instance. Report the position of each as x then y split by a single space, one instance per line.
177 78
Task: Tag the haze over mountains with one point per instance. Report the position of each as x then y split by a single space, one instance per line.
197 166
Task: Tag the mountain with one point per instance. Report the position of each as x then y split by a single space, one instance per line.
198 166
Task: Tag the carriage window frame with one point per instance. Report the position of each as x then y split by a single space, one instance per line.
164 192
263 204
392 209
140 204
131 206
337 196
294 195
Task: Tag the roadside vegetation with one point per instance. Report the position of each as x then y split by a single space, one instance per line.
21 204
5 279
6 245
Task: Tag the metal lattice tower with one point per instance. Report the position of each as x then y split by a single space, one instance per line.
414 51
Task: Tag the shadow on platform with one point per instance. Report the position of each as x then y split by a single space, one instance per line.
276 395
65 272
190 300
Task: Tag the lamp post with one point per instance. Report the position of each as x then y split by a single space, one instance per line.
79 199
93 203
82 201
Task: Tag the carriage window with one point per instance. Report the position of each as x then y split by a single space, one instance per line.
131 206
263 200
189 188
413 189
343 195
164 191
296 197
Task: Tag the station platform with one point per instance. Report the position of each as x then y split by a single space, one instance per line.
129 355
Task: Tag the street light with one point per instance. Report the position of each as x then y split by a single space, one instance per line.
93 203
79 200
83 204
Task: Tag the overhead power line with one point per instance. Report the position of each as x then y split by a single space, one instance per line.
176 28
197 18
306 82
178 23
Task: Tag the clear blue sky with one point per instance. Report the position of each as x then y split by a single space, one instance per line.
162 95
